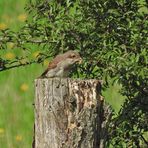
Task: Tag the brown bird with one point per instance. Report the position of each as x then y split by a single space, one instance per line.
61 65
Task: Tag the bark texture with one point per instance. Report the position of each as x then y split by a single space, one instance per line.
68 113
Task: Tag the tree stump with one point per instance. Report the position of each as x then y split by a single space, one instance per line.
68 113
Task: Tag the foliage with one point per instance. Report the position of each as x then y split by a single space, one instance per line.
112 39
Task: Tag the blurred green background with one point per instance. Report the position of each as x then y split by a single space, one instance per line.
17 86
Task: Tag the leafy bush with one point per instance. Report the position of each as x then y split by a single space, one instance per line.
112 39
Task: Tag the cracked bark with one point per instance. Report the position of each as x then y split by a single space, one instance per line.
68 113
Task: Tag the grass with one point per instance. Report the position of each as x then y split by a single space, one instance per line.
17 88
10 12
16 109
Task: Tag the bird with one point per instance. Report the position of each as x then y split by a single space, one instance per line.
61 65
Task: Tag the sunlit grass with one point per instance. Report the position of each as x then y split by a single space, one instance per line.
12 13
16 85
16 109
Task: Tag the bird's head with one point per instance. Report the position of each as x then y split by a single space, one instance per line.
70 58
73 57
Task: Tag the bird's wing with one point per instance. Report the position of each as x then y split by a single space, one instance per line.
53 64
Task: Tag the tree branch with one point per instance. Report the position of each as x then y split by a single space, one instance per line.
17 65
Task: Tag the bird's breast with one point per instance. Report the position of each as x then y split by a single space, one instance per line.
57 72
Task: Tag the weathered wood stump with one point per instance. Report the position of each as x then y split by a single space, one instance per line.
68 113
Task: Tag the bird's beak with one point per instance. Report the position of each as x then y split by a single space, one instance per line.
80 60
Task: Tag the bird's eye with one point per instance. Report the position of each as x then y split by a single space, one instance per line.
73 56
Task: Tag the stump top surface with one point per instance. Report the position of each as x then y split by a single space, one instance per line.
72 79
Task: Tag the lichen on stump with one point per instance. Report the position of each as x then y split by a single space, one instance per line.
67 113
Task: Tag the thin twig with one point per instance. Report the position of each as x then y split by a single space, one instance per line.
146 142
18 65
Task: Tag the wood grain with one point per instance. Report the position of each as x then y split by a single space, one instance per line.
68 113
